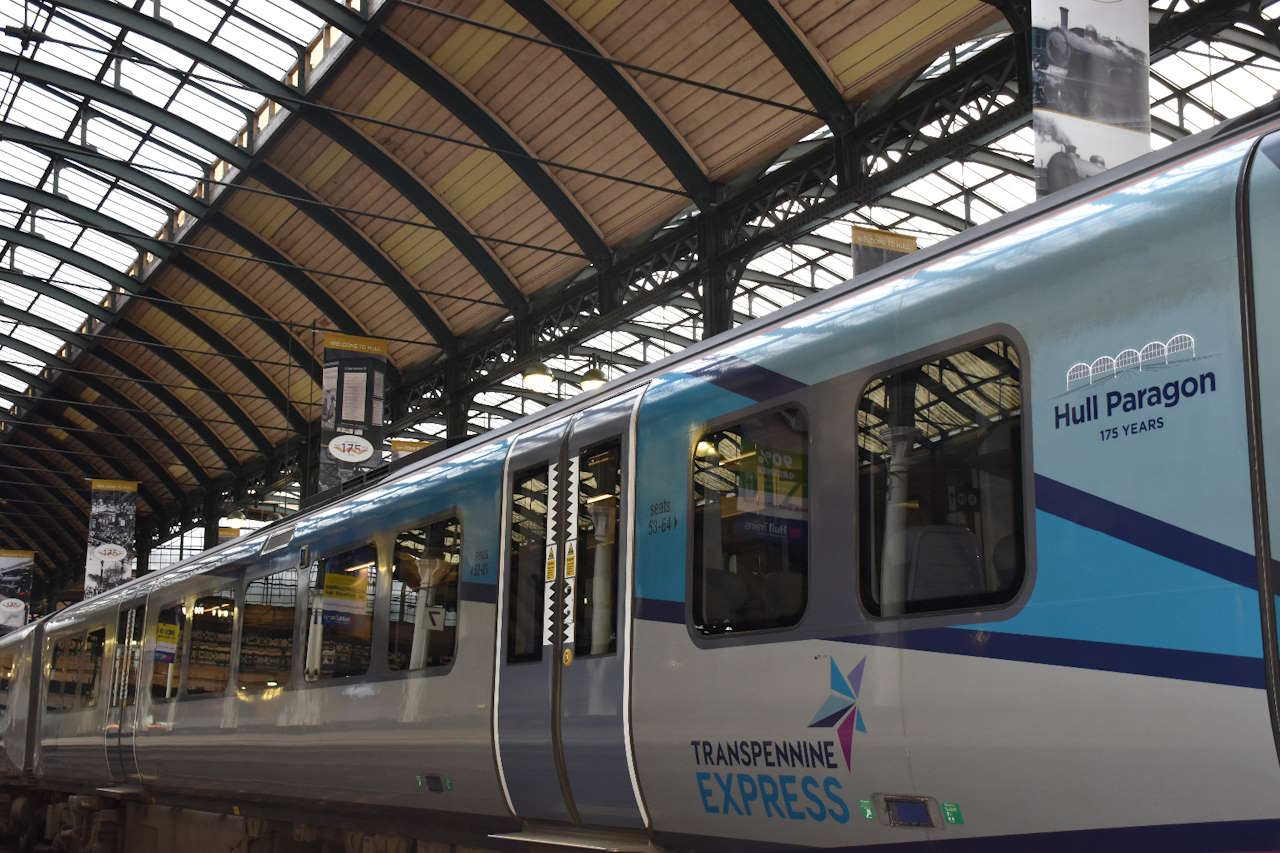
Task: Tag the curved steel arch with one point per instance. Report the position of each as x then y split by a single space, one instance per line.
53 147
95 417
181 315
676 153
131 371
86 439
782 38
476 118
339 228
355 142
205 276
284 267
34 534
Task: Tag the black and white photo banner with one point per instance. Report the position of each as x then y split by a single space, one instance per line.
111 557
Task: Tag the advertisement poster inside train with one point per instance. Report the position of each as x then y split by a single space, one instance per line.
351 408
1089 69
111 556
16 569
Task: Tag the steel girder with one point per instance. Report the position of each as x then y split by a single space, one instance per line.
948 116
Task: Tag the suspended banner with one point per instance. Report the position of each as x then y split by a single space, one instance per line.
872 248
111 557
16 570
351 408
402 447
1090 81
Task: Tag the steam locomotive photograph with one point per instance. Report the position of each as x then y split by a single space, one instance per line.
1082 71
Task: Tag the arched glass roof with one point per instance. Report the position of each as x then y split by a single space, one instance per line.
40 120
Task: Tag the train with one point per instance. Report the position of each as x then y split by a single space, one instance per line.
976 549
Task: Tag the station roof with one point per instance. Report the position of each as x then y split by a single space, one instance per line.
192 192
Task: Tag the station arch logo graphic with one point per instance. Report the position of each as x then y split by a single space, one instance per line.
841 708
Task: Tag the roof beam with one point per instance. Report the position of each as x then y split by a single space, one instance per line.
422 197
364 249
36 534
339 228
392 172
476 117
802 62
51 146
126 367
96 417
625 94
286 268
216 342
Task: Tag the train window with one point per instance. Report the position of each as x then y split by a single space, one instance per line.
528 564
340 613
63 665
266 640
751 523
595 558
940 483
167 664
213 619
90 666
424 596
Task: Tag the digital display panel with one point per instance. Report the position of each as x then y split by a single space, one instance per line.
908 812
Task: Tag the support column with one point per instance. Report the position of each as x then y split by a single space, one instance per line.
718 283
455 410
210 522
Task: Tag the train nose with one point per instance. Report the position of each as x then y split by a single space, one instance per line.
1056 47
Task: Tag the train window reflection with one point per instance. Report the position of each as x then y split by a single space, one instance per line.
90 666
213 619
340 613
166 666
266 641
6 677
528 565
940 483
594 563
424 596
751 524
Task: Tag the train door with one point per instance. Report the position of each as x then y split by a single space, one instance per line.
594 657
563 661
527 696
122 707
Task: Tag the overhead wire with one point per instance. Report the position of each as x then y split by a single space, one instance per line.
598 57
120 233
301 102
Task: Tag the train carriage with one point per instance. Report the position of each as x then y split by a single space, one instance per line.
976 548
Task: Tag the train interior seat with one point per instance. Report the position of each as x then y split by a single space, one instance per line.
943 562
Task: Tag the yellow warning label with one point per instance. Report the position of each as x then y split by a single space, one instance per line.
551 563
571 561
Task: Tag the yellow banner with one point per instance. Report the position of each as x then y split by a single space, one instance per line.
344 586
405 446
353 343
167 632
114 485
877 239
30 555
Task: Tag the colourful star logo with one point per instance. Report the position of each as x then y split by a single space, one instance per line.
841 708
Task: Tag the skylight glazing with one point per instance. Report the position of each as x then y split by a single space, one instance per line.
274 35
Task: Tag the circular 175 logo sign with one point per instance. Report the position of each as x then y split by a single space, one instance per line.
110 551
350 448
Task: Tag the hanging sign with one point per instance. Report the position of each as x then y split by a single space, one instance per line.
872 247
351 408
110 558
1090 87
16 569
